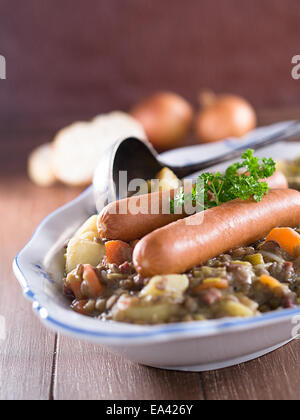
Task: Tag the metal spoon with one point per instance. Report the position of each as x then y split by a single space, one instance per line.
140 161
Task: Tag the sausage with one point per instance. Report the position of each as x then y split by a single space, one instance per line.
130 225
277 181
181 245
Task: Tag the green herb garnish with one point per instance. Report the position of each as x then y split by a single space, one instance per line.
241 180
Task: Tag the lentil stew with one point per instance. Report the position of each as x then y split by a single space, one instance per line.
101 281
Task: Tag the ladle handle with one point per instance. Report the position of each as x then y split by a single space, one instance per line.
288 133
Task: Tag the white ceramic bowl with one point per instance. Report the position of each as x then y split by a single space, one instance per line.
195 346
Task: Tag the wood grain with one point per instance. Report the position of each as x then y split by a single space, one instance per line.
86 371
272 377
26 354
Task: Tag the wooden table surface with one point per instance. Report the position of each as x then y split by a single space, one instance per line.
35 363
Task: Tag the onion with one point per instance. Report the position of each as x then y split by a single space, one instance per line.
166 118
223 116
272 256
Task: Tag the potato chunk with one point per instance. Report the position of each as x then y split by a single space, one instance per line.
132 309
164 289
89 226
83 248
82 251
167 180
235 309
172 285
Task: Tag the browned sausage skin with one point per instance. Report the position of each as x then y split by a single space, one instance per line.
128 226
181 245
277 181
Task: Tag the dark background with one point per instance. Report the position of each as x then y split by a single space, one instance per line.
82 57
69 60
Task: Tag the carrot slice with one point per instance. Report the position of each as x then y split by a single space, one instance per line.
117 252
92 280
270 282
210 283
287 238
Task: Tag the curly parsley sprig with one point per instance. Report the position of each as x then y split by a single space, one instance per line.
241 180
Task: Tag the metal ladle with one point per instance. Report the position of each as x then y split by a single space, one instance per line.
140 161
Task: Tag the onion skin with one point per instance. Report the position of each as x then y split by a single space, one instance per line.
166 118
224 116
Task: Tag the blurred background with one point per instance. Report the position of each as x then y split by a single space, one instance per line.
70 60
